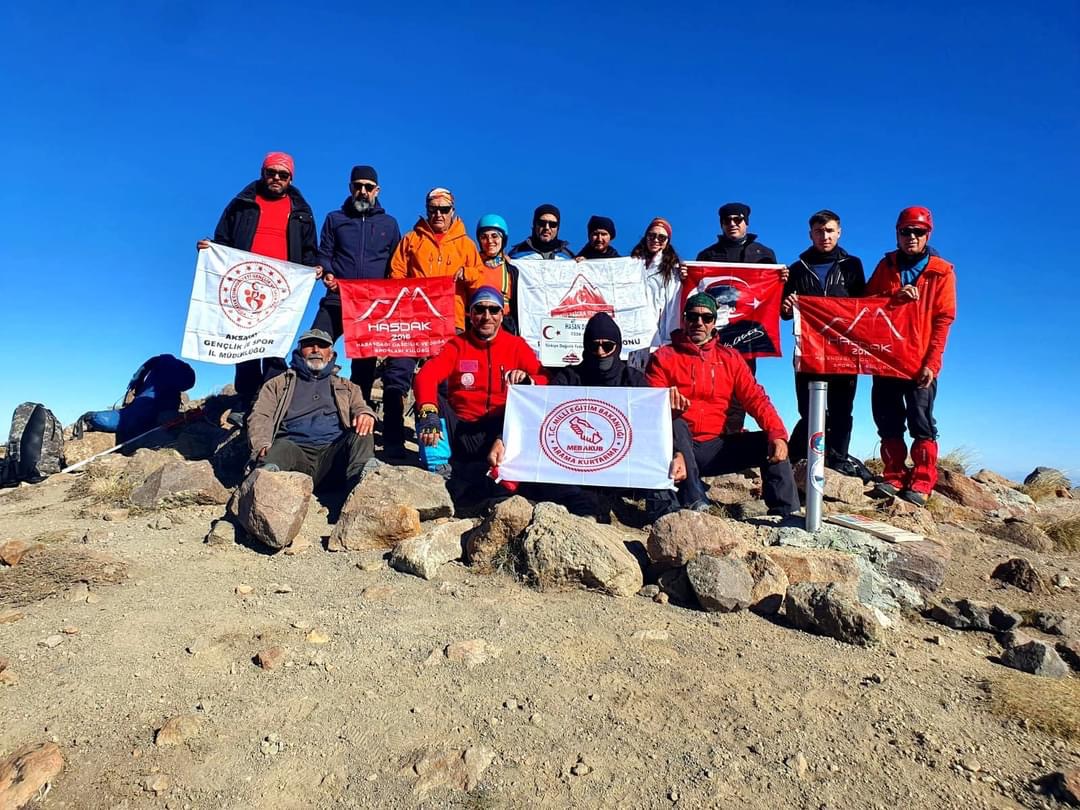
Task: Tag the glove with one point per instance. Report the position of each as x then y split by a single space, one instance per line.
428 422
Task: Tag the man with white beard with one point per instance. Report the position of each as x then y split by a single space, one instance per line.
310 420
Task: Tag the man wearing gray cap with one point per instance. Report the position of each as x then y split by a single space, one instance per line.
312 421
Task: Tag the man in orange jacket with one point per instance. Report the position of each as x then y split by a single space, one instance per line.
438 245
913 274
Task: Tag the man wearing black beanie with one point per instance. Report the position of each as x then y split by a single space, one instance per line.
544 243
601 232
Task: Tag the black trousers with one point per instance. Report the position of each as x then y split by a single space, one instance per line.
362 371
341 461
839 403
732 453
895 402
251 374
470 443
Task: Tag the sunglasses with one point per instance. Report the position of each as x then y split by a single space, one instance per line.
916 232
365 186
694 317
657 237
737 219
440 209
279 173
602 345
547 223
480 309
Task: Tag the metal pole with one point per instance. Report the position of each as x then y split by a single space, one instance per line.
815 455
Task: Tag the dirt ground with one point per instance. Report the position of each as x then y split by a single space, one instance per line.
583 700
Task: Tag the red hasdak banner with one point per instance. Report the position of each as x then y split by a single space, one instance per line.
857 336
410 317
747 303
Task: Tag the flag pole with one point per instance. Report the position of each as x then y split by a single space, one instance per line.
815 455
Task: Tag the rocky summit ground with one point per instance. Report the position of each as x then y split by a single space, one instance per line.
141 666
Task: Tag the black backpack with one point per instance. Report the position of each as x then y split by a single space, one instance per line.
35 447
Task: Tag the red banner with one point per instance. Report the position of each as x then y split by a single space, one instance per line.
857 336
747 303
410 317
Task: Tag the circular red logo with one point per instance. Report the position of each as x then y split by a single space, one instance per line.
584 435
250 292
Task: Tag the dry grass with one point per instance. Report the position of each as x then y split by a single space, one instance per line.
875 465
958 460
1046 486
50 570
1065 534
1049 704
101 484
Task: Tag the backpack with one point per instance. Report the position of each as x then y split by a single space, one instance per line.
35 446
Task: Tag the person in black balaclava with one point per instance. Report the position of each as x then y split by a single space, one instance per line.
544 243
601 364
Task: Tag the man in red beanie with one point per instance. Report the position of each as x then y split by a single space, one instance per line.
269 217
917 276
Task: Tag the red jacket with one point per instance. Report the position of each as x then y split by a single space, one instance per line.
708 376
937 301
474 370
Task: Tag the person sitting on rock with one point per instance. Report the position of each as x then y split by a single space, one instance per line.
476 368
310 420
703 376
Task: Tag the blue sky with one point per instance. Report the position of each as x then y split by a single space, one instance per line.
129 126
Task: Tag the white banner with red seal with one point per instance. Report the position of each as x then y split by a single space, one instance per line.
601 437
244 306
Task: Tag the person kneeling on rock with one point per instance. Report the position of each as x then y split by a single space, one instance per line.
310 420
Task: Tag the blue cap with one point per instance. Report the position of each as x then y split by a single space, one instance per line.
487 294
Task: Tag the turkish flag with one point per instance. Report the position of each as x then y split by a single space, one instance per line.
857 336
747 303
411 317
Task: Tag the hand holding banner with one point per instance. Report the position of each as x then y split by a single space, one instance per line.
857 336
244 306
411 317
747 306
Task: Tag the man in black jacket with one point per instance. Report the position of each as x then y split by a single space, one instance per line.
825 269
544 242
735 245
269 217
357 242
601 231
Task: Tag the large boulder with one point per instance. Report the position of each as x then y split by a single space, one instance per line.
989 477
679 537
503 525
376 526
721 584
822 566
91 443
271 506
424 555
180 483
733 488
1035 658
562 548
1022 533
387 507
962 490
830 610
770 583
1021 574
921 564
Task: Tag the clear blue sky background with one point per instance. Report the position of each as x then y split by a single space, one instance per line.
128 127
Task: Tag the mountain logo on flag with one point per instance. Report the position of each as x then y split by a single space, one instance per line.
582 300
249 293
417 292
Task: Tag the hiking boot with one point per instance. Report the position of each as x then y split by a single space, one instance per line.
844 467
883 489
237 418
702 505
911 496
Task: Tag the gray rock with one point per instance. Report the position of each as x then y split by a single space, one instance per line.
1056 624
180 483
561 548
721 584
679 537
222 533
424 555
422 490
272 506
1070 652
1035 658
830 611
675 585
967 614
1020 573
770 583
988 477
1049 476
502 525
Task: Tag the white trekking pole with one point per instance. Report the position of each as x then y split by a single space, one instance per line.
815 455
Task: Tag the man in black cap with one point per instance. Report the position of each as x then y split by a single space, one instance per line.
357 242
735 245
601 231
310 420
544 243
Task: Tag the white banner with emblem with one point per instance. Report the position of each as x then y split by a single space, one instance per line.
244 306
603 437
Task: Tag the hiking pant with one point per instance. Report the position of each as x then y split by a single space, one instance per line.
398 376
343 460
362 371
839 402
732 453
470 443
895 402
251 374
736 413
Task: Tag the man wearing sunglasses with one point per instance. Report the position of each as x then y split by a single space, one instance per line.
476 368
703 377
269 217
544 243
914 275
356 242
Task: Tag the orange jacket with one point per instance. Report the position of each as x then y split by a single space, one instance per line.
418 255
937 301
499 278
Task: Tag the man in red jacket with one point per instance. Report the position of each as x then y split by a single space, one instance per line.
913 274
703 377
476 367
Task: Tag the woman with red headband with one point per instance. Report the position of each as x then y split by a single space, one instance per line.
663 283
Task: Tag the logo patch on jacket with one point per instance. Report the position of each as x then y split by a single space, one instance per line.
469 365
467 379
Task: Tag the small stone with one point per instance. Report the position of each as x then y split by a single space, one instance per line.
377 593
661 598
1020 573
157 783
281 588
222 533
798 764
536 719
301 624
1062 581
177 730
317 636
471 653
372 564
511 703
10 617
270 658
580 769
243 590
92 599
970 764
52 641
12 551
649 591
200 645
70 630
298 546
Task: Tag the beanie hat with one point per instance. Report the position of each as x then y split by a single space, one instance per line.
364 173
598 223
487 294
663 223
546 208
602 326
439 191
278 160
700 300
733 208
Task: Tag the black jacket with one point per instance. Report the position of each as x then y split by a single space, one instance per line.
846 279
748 251
588 252
236 228
528 250
357 246
572 375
